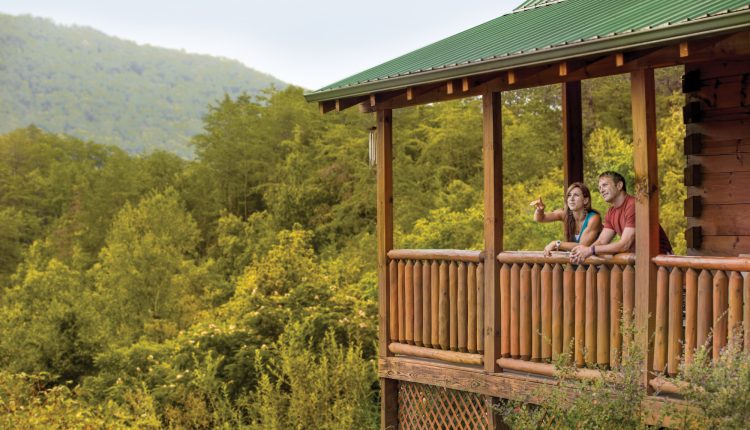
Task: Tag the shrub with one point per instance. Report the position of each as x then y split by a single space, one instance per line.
718 393
299 387
25 404
612 401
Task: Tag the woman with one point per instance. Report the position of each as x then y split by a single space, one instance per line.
581 223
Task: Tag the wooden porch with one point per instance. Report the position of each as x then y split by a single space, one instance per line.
489 324
464 327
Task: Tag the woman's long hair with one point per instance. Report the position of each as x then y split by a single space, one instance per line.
569 220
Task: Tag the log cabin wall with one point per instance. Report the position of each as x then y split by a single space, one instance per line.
717 146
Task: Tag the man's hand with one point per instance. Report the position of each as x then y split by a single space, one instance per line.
579 254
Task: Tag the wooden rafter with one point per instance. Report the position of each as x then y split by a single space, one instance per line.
349 102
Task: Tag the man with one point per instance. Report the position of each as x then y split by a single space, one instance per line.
620 220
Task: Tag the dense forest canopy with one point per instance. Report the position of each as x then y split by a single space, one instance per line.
238 289
81 82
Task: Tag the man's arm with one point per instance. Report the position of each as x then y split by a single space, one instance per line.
582 252
622 245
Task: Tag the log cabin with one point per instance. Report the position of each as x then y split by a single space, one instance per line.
465 328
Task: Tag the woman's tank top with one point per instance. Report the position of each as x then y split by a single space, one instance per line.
583 227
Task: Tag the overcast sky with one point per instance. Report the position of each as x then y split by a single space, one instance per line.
306 43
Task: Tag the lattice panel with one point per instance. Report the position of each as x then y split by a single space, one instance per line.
427 407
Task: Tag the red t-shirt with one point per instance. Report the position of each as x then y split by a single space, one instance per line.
619 218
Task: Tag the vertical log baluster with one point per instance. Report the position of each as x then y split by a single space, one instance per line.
505 310
569 312
546 337
435 297
746 312
409 298
444 312
453 287
580 313
480 307
590 341
471 289
536 310
463 308
660 326
515 295
735 304
615 316
524 314
705 309
426 304
628 306
675 321
602 316
401 303
721 284
393 300
417 286
557 311
691 313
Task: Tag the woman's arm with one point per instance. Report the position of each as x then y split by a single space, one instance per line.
564 246
541 216
593 229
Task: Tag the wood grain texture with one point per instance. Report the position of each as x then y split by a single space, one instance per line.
676 338
384 234
643 106
492 157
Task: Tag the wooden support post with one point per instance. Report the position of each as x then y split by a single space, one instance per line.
493 232
646 213
572 133
388 387
493 225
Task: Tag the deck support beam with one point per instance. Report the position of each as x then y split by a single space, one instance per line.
572 133
645 189
388 387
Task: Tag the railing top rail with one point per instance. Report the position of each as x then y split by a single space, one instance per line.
740 264
537 257
437 254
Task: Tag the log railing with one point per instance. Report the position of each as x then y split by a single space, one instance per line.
549 306
699 301
436 306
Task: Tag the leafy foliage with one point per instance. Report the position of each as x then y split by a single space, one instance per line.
148 283
302 386
718 393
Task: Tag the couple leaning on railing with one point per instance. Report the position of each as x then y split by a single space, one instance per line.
585 232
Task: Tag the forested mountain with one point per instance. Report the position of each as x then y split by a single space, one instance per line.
81 82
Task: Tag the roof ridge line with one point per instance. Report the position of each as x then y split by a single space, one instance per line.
536 6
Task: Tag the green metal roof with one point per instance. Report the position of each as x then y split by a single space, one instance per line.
543 31
529 4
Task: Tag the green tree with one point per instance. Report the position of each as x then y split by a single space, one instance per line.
49 324
148 278
321 387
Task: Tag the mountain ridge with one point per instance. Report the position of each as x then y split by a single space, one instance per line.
80 81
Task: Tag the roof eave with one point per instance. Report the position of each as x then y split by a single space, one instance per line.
692 29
